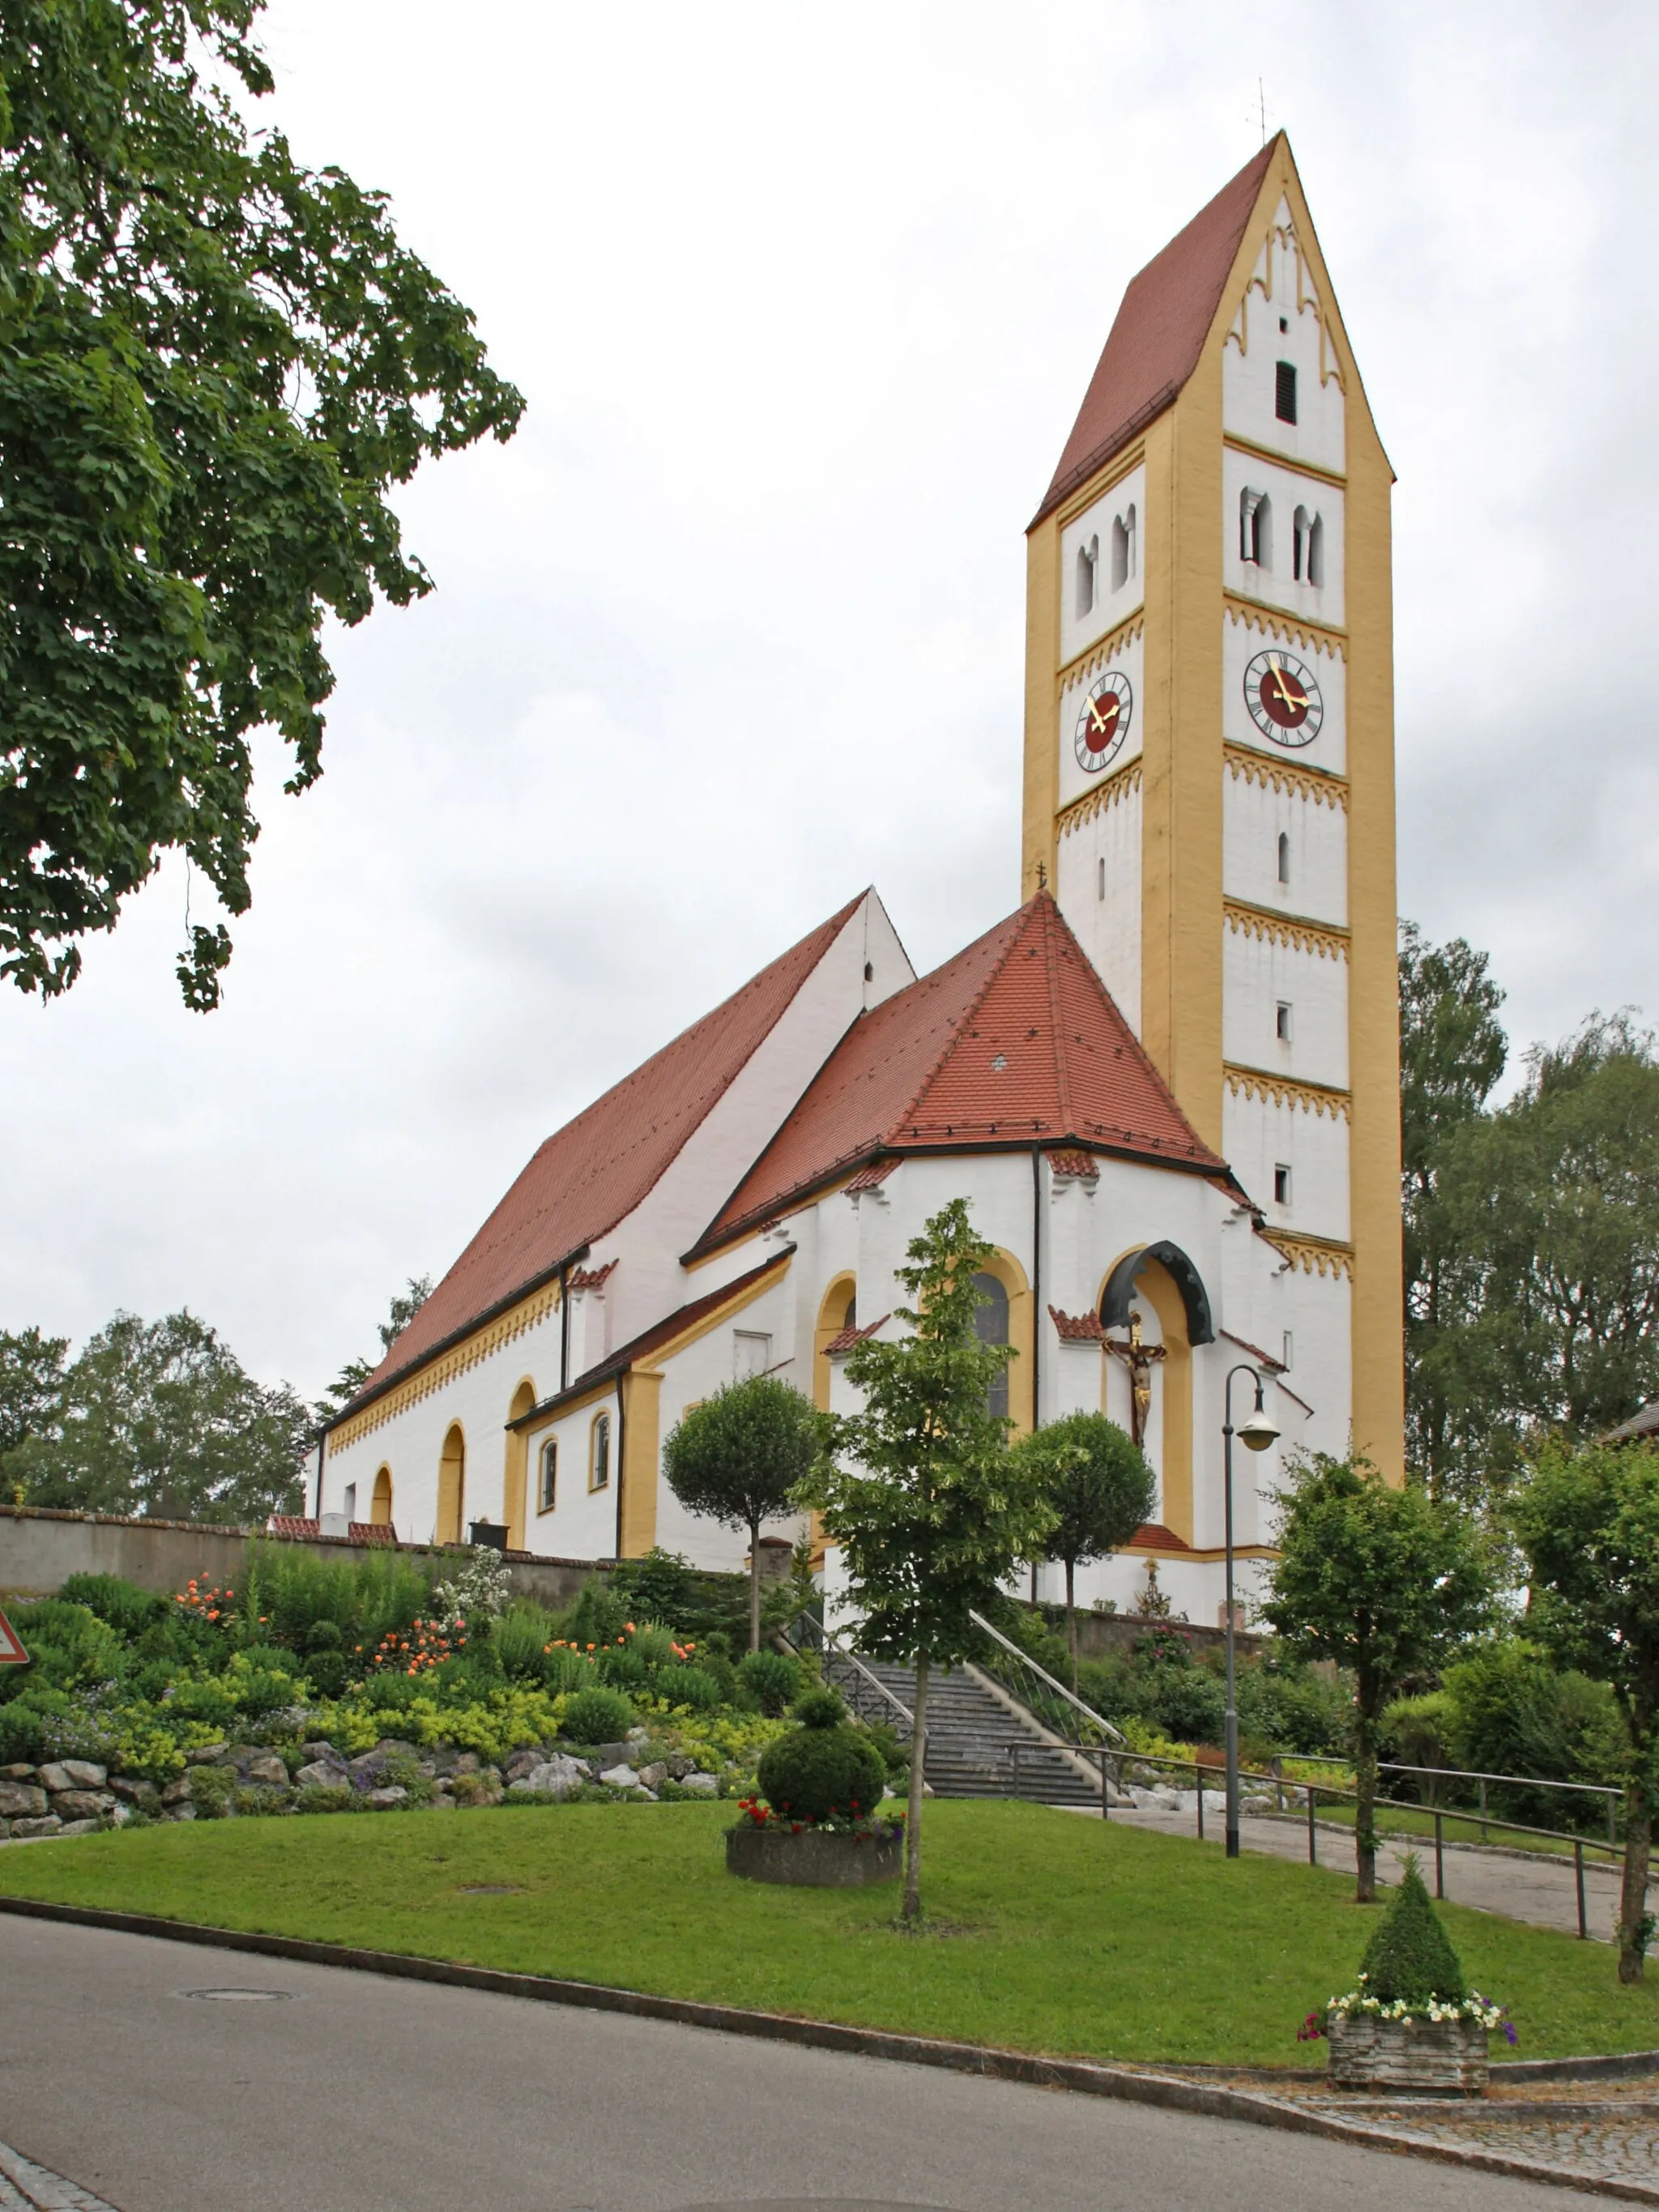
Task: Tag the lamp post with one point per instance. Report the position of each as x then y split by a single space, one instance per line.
1258 1432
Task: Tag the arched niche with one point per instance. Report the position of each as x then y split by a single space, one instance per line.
1163 1276
380 1512
451 1487
1199 1325
515 1469
840 1300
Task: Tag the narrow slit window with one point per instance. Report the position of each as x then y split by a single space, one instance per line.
351 1504
1100 890
1282 1021
1316 552
1086 557
1120 552
1281 1185
599 1470
547 1486
1284 856
1287 1356
1284 392
1299 544
1255 528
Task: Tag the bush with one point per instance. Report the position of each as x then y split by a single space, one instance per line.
819 1707
565 1669
69 1646
1510 1711
691 1685
1410 1958
598 1717
772 1679
819 1771
661 1586
623 1667
521 1637
128 1609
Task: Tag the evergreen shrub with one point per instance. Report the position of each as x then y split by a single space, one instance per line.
598 1717
772 1679
129 1610
1410 1958
693 1686
822 1769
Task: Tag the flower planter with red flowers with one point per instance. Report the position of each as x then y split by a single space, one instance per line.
844 1853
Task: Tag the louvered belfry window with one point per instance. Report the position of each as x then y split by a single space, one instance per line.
1284 392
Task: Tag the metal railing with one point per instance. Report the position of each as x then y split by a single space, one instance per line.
1058 1709
1480 1812
867 1695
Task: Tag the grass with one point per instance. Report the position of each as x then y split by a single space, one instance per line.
1069 1936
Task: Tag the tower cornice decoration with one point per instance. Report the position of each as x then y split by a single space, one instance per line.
1102 650
1280 1090
1279 929
1283 236
1313 1255
1252 614
1323 789
1117 786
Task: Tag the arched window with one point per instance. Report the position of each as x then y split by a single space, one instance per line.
1316 552
850 1318
991 1327
451 1486
547 1476
598 1454
1087 555
1120 552
379 1511
1299 543
1255 528
1283 856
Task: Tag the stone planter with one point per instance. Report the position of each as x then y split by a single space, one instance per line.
1432 2057
815 1859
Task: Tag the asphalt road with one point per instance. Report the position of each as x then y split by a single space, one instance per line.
356 2094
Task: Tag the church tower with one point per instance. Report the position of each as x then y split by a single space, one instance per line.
1209 750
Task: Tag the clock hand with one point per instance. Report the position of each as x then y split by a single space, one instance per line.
1099 720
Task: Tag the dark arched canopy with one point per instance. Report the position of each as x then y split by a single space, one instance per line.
1121 1288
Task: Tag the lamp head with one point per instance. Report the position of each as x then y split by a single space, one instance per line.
1257 1430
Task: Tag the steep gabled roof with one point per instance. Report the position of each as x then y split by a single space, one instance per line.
1017 1041
1159 332
597 1168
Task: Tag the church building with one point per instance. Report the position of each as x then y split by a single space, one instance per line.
1167 1084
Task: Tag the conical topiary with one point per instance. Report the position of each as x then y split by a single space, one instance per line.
1410 1958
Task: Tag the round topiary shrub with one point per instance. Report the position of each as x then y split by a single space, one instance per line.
823 1768
598 1717
771 1679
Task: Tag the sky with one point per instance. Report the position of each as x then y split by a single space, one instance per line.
803 306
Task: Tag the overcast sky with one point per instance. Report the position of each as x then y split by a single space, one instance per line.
803 305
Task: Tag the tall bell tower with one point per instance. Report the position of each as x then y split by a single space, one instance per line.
1209 750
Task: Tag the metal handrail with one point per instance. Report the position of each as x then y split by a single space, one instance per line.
1114 1736
832 1646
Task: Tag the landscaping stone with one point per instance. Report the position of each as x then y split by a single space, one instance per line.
680 1763
144 1795
330 1773
701 1785
48 1824
1420 2055
56 1777
79 1827
176 1793
612 1754
655 1774
266 1767
81 1804
206 1754
558 1777
17 1773
820 1859
619 1778
5 1830
383 1801
84 1774
179 1813
21 1801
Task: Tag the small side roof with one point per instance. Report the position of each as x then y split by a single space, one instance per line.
1159 332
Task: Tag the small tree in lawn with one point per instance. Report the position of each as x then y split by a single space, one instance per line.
1382 1580
930 1508
1589 1523
738 1456
1097 1482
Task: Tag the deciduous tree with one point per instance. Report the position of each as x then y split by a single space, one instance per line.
1098 1485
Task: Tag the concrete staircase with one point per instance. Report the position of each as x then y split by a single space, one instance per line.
972 1730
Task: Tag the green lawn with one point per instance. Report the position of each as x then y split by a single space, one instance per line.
1058 1934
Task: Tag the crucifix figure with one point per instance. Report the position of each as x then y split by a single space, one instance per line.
1140 1359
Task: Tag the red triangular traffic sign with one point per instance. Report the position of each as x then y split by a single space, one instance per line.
12 1653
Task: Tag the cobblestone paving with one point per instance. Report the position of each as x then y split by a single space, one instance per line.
26 2187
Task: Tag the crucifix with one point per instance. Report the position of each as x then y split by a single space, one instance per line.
1140 1359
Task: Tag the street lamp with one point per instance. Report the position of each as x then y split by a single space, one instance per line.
1258 1432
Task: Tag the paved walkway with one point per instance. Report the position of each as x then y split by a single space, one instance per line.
1536 1889
346 2092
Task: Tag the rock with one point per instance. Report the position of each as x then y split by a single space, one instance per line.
268 1768
384 1800
612 1754
701 1785
84 1775
79 1827
179 1813
81 1804
206 1754
323 1774
16 1773
636 1735
679 1765
522 1764
26 1831
393 1746
367 1764
176 1793
144 1795
558 1777
654 1776
5 1830
21 1801
619 1778
119 1815
468 1762
321 1749
56 1777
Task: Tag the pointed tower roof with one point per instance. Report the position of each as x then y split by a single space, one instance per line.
587 1175
1015 1041
1159 331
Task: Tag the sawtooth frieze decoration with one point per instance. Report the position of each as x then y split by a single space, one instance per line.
1255 616
1283 236
439 1372
1313 1255
1311 1097
1102 651
1103 795
1326 790
1300 936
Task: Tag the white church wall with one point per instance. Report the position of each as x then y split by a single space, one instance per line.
1260 974
1279 321
1092 602
1272 578
1261 1134
1312 878
1128 660
1098 891
1242 638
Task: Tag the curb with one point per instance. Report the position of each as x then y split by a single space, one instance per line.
1168 2091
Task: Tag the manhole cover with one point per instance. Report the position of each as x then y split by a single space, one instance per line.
492 1888
241 1997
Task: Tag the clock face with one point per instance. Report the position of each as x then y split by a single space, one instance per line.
1284 698
1103 723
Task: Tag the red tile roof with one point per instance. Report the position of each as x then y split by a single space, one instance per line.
1077 1328
1153 1536
1159 332
850 1337
292 1524
1076 1167
1015 1040
598 1167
